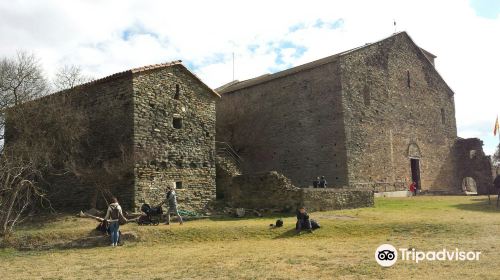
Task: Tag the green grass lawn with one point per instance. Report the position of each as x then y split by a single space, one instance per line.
247 249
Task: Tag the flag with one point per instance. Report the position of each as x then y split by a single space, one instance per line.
497 127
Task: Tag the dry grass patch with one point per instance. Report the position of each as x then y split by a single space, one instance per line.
248 249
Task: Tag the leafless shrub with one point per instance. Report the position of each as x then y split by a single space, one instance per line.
19 190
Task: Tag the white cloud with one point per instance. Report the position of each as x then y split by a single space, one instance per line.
204 34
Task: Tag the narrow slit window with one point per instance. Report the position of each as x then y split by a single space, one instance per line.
366 96
177 91
177 123
443 116
408 81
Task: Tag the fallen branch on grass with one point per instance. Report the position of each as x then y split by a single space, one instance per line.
86 215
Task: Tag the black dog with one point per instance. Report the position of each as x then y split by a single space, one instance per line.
279 223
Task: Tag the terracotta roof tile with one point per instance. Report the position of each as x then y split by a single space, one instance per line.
146 68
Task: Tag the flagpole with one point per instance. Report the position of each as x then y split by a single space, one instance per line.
496 130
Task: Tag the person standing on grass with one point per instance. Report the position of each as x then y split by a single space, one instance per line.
113 216
171 198
413 188
316 182
322 182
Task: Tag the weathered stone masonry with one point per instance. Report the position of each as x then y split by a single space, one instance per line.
292 124
174 156
271 190
107 110
397 107
162 117
375 117
369 119
474 166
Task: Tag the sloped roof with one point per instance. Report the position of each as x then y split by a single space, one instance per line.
144 69
237 85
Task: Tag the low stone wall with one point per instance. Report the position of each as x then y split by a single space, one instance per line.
332 199
263 190
381 186
272 190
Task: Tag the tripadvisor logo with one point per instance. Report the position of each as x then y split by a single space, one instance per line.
386 255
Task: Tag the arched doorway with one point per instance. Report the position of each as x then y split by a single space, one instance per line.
469 186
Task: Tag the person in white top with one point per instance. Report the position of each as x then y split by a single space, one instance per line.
171 198
113 216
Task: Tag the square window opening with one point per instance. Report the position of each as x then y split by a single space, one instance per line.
177 123
178 185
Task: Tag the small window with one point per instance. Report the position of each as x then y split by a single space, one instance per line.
408 82
177 91
177 123
366 96
178 185
443 116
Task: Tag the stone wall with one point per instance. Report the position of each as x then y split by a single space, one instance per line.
397 107
103 110
357 118
473 163
131 145
381 186
272 190
166 154
329 199
263 190
226 170
292 124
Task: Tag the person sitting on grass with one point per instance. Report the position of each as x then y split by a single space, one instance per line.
113 216
303 221
171 198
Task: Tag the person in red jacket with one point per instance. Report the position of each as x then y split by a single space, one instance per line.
413 188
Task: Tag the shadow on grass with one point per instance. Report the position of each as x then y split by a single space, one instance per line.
287 234
49 241
292 233
246 218
481 205
38 220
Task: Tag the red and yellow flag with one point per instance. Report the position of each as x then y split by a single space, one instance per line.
497 127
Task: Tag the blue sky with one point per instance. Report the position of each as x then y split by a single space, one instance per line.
105 37
486 8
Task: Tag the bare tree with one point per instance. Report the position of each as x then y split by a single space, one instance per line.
43 139
69 76
52 136
56 133
19 190
21 80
